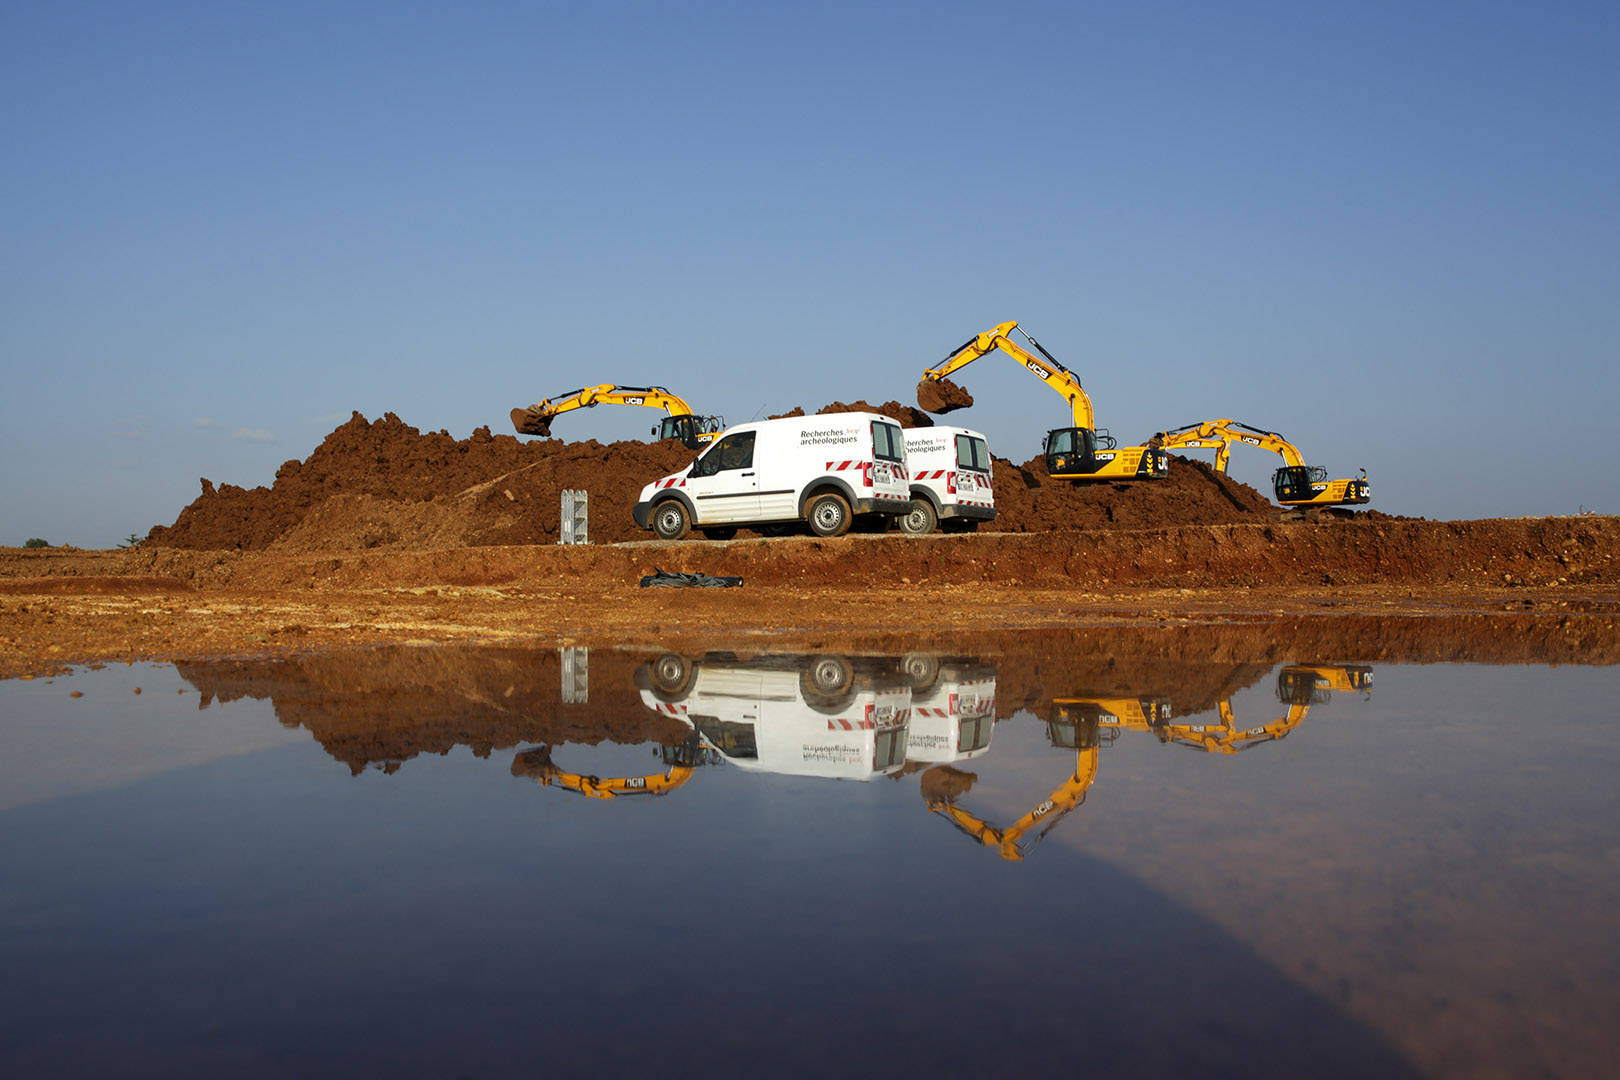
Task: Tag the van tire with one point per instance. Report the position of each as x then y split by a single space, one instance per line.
671 675
920 519
828 514
828 684
720 532
670 521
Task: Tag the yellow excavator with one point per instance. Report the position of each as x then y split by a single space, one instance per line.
682 424
537 765
1080 452
1297 484
1067 728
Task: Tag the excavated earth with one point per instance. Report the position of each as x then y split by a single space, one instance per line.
386 535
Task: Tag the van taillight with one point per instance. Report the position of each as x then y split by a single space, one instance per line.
950 483
866 474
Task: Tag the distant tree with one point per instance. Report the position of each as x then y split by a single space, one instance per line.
35 542
131 540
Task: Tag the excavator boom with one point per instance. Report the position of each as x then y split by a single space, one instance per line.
1079 452
680 422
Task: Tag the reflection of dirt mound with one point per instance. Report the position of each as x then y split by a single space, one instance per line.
384 706
384 485
380 707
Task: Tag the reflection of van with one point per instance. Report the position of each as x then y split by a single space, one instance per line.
829 716
817 469
953 708
951 481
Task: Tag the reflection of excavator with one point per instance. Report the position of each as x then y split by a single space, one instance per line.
681 423
536 764
1299 686
1067 728
1080 452
1297 484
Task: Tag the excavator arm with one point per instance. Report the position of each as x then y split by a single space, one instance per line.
1296 484
942 784
1078 452
537 765
680 423
1054 374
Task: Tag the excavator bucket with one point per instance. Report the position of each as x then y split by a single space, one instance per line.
942 396
527 423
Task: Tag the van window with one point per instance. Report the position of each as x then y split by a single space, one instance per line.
972 453
735 451
887 442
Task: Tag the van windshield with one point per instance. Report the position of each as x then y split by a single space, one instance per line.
972 453
887 442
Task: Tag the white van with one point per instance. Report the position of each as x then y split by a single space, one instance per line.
951 480
823 470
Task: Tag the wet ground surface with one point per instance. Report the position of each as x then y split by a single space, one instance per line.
1355 850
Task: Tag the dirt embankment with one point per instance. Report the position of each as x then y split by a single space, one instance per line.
384 485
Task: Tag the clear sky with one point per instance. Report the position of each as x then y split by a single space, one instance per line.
1390 231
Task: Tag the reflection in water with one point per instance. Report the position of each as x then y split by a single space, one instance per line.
536 764
835 716
1446 898
827 715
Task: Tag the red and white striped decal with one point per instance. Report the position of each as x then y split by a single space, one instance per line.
673 481
842 466
840 724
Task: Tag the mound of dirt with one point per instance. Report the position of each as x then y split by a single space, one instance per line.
385 485
1029 500
908 416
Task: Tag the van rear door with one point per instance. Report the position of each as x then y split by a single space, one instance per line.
890 483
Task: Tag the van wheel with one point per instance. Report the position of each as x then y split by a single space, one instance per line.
920 519
721 532
671 521
828 514
828 684
671 673
920 669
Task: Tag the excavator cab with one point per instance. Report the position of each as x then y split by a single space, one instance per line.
1298 483
693 432
1072 451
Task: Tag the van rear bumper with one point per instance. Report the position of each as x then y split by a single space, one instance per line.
880 506
971 513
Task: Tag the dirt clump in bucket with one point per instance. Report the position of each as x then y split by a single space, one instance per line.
942 396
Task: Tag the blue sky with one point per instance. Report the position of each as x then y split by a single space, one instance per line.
1389 231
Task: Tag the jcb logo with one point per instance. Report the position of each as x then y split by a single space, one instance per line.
635 401
1037 369
1251 442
